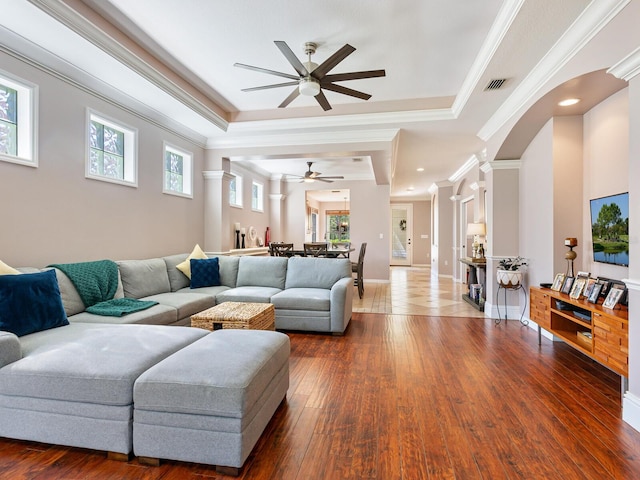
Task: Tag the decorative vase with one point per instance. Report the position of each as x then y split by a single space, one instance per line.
509 278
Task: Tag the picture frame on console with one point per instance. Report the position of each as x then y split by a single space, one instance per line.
578 286
567 284
588 288
595 293
613 297
558 282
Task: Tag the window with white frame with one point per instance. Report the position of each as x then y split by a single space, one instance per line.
18 112
112 150
235 191
257 197
178 171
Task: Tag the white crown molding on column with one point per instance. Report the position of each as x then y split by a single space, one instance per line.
216 175
628 67
477 185
455 198
593 19
500 165
277 197
101 39
472 162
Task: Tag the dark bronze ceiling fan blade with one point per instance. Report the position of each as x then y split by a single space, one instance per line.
340 77
266 70
323 179
292 96
322 100
332 61
330 178
265 87
346 91
291 57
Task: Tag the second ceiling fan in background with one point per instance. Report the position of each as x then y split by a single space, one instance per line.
313 78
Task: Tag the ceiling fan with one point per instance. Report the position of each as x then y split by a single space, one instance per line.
310 176
312 78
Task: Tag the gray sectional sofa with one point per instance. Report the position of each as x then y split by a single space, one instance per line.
130 383
310 294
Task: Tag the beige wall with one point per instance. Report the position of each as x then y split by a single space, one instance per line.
54 214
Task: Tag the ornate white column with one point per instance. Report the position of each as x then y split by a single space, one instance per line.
218 231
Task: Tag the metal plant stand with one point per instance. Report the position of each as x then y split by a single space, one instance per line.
504 288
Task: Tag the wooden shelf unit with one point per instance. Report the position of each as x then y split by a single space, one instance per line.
601 333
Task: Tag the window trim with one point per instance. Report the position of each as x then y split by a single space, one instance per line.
187 170
260 207
239 203
28 94
130 149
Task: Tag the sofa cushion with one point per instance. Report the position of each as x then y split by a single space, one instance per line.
177 279
83 362
7 270
205 272
185 303
141 278
30 303
210 291
307 272
71 300
9 348
247 294
156 315
317 299
229 270
262 272
185 267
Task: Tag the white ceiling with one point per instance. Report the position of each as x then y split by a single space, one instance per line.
173 61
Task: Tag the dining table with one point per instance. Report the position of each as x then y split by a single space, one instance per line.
341 252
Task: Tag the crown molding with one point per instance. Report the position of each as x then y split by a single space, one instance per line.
92 32
628 67
277 197
464 169
477 185
339 121
216 175
455 198
303 138
593 19
500 165
499 29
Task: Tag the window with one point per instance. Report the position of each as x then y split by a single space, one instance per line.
178 171
338 225
235 191
257 197
112 155
17 121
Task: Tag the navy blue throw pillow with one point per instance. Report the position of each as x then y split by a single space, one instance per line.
205 272
30 302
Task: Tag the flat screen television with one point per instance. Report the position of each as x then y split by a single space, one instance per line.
610 229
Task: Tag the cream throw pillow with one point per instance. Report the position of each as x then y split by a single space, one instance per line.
185 267
7 270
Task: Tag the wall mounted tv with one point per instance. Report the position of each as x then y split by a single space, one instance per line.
610 229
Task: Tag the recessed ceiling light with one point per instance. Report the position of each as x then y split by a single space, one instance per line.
420 169
410 189
568 101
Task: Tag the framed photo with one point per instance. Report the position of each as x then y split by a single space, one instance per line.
578 286
606 284
557 282
613 297
595 293
589 287
567 284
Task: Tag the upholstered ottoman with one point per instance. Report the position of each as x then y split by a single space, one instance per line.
210 402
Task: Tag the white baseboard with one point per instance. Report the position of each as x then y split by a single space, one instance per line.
631 410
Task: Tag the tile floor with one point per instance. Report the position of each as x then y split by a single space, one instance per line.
412 291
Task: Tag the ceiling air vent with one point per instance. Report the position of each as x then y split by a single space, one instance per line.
495 84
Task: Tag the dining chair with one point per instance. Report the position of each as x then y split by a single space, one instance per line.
342 246
315 249
358 268
281 249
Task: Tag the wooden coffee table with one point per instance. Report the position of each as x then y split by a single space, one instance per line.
255 316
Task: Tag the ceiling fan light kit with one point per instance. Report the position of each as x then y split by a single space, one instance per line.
313 78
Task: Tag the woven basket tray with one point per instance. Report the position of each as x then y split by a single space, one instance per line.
256 316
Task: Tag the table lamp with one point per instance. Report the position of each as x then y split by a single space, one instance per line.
476 229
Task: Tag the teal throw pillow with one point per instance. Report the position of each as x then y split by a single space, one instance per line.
30 303
205 272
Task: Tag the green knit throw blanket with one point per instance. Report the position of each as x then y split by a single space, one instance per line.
95 281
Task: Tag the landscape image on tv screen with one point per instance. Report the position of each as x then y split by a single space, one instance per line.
610 229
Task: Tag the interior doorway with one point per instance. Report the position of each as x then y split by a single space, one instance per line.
401 234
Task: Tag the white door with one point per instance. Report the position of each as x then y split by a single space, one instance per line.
401 234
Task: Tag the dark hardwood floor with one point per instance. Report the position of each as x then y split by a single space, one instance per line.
412 397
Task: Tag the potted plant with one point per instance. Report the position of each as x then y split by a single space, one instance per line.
510 271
